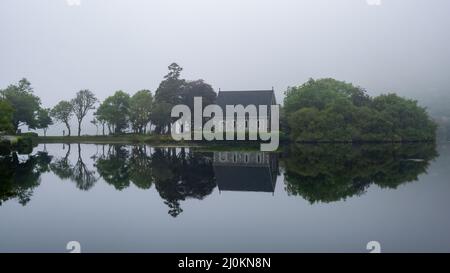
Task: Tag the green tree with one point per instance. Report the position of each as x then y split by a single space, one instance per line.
24 103
410 122
82 103
160 116
140 110
6 116
327 110
115 111
44 120
198 88
63 112
170 92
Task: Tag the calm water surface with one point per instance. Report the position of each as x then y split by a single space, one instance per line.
307 198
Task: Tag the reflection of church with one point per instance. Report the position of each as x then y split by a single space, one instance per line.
245 171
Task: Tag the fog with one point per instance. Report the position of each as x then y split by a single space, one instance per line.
109 45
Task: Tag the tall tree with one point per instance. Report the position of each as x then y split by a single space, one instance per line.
140 110
82 103
25 104
170 92
63 112
44 120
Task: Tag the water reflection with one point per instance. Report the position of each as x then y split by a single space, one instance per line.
246 171
327 173
79 173
19 176
317 173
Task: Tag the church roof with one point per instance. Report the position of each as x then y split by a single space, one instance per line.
254 97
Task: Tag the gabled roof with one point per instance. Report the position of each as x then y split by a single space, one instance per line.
255 97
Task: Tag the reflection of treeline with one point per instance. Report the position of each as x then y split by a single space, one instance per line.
19 177
177 174
327 172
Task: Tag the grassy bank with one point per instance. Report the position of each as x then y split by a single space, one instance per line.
153 140
120 139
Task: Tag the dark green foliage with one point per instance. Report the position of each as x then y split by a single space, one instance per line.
332 111
141 105
115 111
172 91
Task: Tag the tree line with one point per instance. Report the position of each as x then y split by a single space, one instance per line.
324 110
117 114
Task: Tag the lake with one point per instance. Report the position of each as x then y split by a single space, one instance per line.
307 198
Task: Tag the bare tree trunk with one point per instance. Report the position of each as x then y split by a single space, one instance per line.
68 129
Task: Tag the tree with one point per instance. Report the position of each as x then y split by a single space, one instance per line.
44 120
334 111
63 112
160 116
6 116
198 88
24 103
140 110
115 111
170 92
410 122
82 103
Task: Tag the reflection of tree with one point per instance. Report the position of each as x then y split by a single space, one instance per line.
114 167
61 167
18 179
330 173
181 176
81 175
140 168
176 176
78 173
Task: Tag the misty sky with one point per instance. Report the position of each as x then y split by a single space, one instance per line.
109 45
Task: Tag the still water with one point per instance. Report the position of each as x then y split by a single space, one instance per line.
322 198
